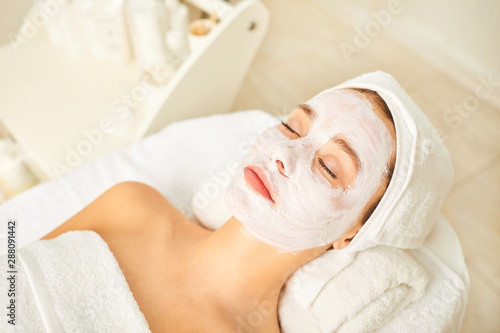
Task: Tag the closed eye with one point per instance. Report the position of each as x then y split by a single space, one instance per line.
290 129
326 168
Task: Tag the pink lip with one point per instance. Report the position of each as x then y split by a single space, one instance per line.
257 180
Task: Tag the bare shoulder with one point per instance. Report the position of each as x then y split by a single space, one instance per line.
126 206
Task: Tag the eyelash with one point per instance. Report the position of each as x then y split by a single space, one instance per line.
323 165
290 129
326 169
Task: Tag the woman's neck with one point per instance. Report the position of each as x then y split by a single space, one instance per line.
242 275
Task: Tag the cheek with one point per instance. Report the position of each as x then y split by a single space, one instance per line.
339 204
351 173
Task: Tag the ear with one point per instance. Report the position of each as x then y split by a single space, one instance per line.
343 241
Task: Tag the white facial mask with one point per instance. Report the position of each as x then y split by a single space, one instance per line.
308 212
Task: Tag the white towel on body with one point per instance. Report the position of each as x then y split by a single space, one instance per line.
71 283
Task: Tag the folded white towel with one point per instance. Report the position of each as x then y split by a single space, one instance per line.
72 283
363 296
440 309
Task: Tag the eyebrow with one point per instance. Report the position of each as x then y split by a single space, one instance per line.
348 149
344 145
308 110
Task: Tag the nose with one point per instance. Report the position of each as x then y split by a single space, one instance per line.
281 168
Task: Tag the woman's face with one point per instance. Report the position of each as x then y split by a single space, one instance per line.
305 182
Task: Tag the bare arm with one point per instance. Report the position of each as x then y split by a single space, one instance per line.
124 205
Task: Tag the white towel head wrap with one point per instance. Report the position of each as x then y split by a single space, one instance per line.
422 177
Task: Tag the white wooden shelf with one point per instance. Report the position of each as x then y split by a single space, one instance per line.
49 100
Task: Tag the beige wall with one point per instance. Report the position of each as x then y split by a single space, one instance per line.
460 36
464 30
11 17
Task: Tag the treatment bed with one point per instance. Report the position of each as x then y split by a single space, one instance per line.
191 162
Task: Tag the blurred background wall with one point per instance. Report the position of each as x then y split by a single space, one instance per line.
456 35
11 17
